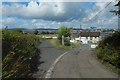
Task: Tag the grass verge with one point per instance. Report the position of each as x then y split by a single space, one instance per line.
56 44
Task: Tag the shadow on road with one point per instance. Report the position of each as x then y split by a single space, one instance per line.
36 62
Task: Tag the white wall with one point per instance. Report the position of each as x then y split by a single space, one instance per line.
93 45
85 40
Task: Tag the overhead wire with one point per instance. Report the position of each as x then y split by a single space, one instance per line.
101 11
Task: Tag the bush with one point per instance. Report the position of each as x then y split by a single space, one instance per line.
18 51
109 55
63 31
67 42
36 32
109 50
18 31
113 41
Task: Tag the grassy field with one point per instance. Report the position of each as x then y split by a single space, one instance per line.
55 43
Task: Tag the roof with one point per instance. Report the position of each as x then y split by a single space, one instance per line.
90 34
106 34
75 35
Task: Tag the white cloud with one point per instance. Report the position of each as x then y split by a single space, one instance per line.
15 0
34 21
57 0
68 14
104 18
0 9
8 21
48 11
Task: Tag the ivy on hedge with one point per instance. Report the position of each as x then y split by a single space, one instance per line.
18 51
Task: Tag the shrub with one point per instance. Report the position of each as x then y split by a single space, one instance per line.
113 41
18 31
109 55
63 31
18 51
109 50
36 32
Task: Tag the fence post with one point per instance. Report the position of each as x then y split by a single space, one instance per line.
62 40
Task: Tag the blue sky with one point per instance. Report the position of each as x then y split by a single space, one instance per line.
55 14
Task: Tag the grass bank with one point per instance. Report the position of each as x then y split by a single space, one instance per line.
56 44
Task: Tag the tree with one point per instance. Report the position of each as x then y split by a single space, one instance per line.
18 31
117 12
35 32
113 41
63 31
6 27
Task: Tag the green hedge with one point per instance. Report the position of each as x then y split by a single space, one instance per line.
109 50
113 41
18 51
109 55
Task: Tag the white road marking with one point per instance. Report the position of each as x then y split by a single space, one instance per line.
49 72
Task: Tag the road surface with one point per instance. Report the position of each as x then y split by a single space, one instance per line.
48 54
80 63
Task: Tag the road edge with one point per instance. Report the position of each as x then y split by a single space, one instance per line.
49 72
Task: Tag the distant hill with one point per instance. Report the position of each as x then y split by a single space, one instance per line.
41 29
17 28
44 29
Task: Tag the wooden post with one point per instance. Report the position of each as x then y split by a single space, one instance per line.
68 38
62 40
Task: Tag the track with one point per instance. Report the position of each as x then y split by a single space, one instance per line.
79 63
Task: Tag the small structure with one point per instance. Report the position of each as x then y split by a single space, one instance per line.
75 37
92 37
86 37
63 40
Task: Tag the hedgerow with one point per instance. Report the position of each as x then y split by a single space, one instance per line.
109 50
18 52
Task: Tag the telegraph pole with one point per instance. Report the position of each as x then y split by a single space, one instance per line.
119 16
80 26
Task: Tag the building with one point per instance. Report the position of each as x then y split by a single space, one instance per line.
92 37
86 37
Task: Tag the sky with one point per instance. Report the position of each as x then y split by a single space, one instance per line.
54 14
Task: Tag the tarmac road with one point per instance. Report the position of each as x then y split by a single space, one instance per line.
48 54
79 63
